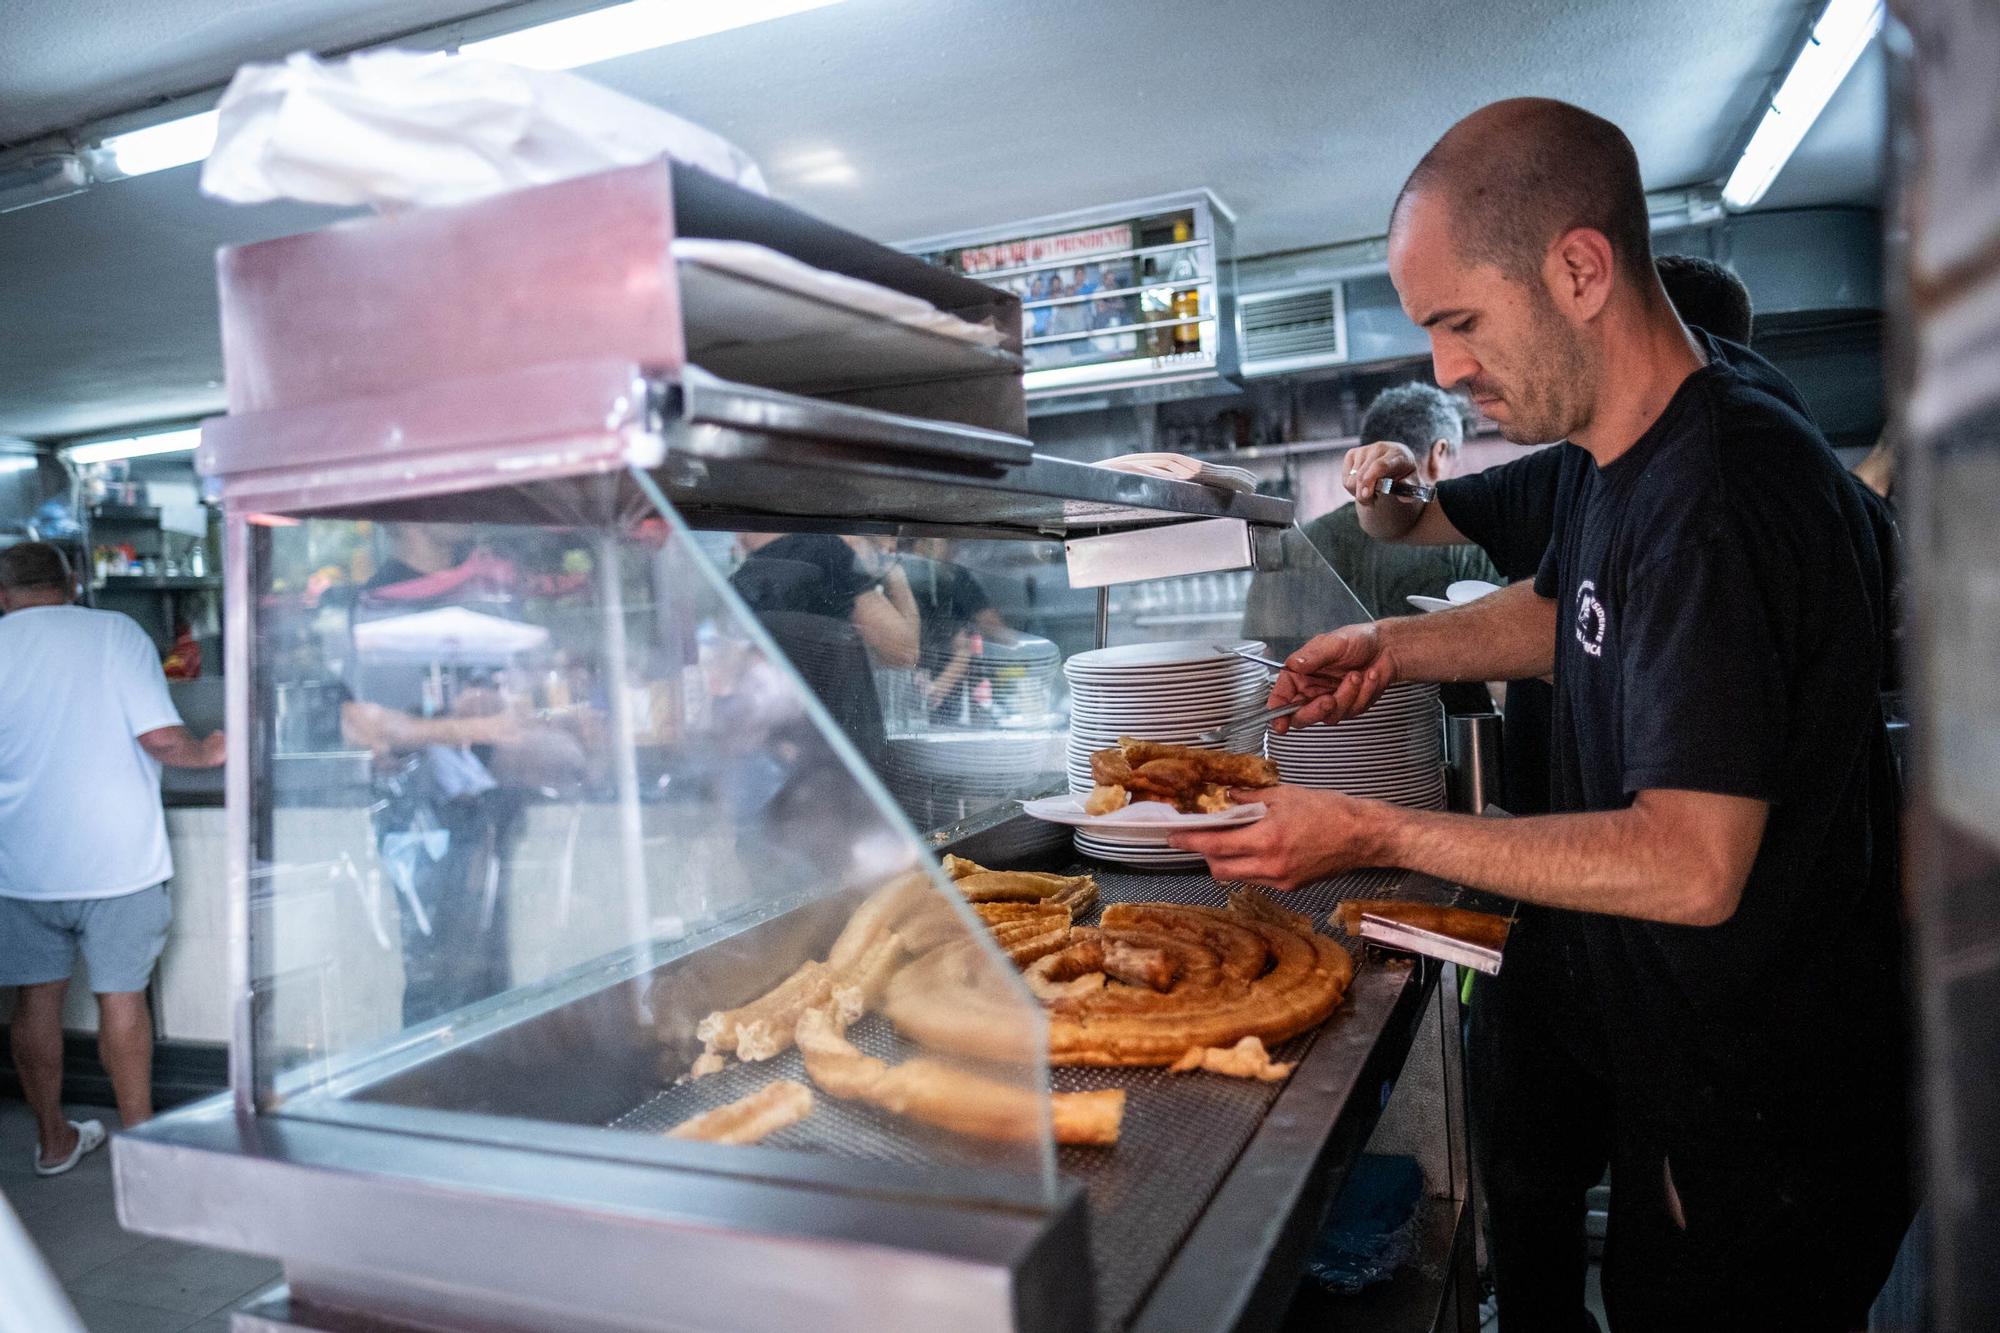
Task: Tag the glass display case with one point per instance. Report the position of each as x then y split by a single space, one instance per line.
593 965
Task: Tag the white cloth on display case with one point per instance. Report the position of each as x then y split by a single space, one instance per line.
400 129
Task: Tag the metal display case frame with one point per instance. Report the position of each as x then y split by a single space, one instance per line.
533 1226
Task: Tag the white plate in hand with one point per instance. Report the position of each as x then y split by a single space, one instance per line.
1139 815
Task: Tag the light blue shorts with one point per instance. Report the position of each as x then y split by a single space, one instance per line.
120 939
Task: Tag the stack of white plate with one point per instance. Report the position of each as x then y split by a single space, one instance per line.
1392 752
1172 691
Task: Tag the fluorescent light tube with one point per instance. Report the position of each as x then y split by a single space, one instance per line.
1837 41
136 446
622 30
172 143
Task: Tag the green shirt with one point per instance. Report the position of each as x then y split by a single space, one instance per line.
1382 575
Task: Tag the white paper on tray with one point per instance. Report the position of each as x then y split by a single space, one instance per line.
398 129
1179 467
760 263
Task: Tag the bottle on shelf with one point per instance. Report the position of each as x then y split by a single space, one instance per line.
1185 276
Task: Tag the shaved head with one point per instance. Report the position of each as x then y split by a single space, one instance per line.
1516 175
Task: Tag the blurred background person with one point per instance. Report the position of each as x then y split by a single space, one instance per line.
85 724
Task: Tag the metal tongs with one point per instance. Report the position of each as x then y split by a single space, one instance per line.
1405 488
1266 716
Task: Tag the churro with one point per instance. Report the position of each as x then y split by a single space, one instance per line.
749 1119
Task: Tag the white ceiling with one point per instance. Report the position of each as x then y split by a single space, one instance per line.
1304 117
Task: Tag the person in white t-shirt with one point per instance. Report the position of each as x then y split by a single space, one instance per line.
85 723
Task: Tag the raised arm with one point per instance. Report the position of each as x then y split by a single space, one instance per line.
1507 635
1393 518
386 731
888 620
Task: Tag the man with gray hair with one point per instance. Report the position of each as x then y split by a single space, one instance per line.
85 723
1431 424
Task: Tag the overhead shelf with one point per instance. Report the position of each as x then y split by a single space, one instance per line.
758 332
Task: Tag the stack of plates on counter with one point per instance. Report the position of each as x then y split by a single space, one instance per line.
1170 691
1392 752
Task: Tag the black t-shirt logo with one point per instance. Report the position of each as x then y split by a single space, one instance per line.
1590 619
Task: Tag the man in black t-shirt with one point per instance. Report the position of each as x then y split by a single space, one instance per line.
1713 610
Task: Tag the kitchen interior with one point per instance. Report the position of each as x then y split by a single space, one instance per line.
1171 218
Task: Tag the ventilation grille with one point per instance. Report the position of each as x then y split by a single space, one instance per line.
1295 329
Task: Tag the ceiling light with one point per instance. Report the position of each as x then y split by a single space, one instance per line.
173 143
1837 41
822 166
622 30
136 446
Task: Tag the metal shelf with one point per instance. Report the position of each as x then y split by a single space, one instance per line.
738 456
759 333
158 583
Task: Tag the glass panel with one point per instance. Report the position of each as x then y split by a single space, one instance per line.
1292 595
553 828
976 714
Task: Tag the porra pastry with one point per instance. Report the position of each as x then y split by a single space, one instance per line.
764 1112
1189 779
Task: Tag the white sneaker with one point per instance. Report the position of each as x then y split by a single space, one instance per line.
89 1138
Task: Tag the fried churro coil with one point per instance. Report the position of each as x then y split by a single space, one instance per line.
1271 976
1246 1059
1048 992
749 1119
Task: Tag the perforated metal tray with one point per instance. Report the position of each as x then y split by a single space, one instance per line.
1181 1135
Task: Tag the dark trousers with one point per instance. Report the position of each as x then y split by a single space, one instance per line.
457 951
1541 1134
1750 1242
1791 1241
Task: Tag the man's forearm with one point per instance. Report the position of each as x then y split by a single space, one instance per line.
1506 635
177 747
1634 862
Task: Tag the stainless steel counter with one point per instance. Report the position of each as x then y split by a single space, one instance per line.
1198 1219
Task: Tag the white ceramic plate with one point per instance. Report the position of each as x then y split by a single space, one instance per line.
1423 603
1469 590
1146 816
1170 652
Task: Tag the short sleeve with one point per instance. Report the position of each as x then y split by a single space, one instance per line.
1704 685
1508 510
1548 577
139 682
